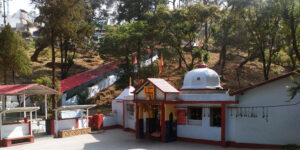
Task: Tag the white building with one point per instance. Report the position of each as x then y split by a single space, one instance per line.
202 111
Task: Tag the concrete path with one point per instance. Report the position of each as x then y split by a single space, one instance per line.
115 139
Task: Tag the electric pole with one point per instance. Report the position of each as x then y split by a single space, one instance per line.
4 15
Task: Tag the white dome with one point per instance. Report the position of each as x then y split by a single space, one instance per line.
201 78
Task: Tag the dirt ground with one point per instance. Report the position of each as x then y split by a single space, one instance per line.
115 139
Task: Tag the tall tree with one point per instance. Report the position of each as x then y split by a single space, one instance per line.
130 10
262 22
180 28
8 47
290 11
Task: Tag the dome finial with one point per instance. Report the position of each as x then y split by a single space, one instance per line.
202 66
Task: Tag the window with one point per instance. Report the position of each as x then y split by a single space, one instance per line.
215 117
195 113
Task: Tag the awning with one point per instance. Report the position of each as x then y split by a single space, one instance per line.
27 89
74 107
20 109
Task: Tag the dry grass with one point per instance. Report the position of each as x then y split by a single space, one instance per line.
251 74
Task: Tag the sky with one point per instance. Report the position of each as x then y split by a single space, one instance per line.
15 5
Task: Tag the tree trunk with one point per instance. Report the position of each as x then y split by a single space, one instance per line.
293 33
36 53
223 52
53 74
4 74
292 59
205 46
13 76
179 62
61 59
174 4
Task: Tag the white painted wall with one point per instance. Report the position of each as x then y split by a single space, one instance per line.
206 97
103 84
109 121
15 130
117 109
69 124
129 120
83 123
283 126
203 131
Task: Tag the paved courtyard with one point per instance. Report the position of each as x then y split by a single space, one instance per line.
115 139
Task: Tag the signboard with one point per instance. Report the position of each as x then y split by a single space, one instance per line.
181 117
149 92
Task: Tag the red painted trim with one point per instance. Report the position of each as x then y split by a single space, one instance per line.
69 118
13 123
203 89
111 127
148 101
129 129
52 127
29 127
123 115
163 126
262 83
8 142
252 145
77 123
200 102
137 121
137 89
185 102
223 125
199 141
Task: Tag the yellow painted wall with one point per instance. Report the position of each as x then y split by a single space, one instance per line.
170 108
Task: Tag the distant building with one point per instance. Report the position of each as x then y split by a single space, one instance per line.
21 21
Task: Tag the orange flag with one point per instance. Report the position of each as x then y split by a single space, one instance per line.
161 64
134 60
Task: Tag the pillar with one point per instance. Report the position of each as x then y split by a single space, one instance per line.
163 123
223 125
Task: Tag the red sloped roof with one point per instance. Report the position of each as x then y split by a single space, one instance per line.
84 77
163 85
13 89
262 83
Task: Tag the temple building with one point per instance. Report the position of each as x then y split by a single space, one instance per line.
202 111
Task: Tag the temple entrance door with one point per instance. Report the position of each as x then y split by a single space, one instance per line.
153 126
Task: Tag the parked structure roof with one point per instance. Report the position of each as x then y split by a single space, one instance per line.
79 79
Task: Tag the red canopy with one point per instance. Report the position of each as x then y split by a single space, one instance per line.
28 89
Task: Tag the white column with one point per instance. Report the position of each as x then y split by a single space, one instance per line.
24 104
46 107
30 123
1 125
87 118
3 99
56 125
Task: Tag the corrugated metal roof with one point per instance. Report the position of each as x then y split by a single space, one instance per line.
163 85
84 77
75 107
12 89
28 89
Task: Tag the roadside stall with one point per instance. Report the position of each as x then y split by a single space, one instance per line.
16 132
77 125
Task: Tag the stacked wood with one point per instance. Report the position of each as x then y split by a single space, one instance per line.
68 133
